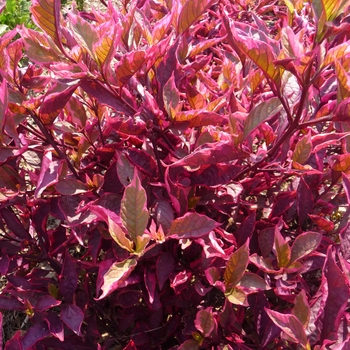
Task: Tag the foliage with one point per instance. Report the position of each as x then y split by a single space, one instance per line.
13 13
175 175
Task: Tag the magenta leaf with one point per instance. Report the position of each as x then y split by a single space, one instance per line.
3 108
54 103
192 225
290 325
205 322
164 267
68 280
50 171
336 294
129 65
72 316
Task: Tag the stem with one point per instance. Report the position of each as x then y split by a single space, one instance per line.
52 142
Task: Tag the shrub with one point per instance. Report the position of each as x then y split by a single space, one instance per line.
175 175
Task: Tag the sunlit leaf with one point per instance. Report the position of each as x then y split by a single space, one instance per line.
192 225
305 244
191 12
236 265
237 296
119 236
129 64
301 308
205 322
303 149
134 213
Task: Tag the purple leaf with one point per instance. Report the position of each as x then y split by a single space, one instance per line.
150 283
3 108
72 316
164 267
15 342
55 326
164 215
205 322
13 224
45 302
246 230
68 280
192 225
145 162
35 333
290 325
344 237
305 201
189 344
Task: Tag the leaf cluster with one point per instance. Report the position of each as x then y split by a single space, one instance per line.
175 175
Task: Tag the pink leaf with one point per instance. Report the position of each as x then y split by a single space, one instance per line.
70 187
3 107
54 103
72 316
290 325
115 275
192 225
129 64
49 173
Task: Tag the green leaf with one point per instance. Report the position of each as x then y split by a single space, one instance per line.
191 12
301 308
261 113
119 236
236 265
192 225
134 213
237 296
282 250
304 245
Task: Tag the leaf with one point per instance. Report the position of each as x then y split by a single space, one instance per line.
3 108
335 289
192 225
304 200
322 223
290 325
201 117
205 322
237 296
251 282
342 162
104 49
260 113
35 333
191 12
119 236
115 276
343 79
161 28
236 266
49 173
210 153
164 267
189 344
301 308
54 103
13 224
282 249
304 245
134 213
171 97
70 187
46 15
346 186
164 215
72 316
128 65
68 279
303 149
